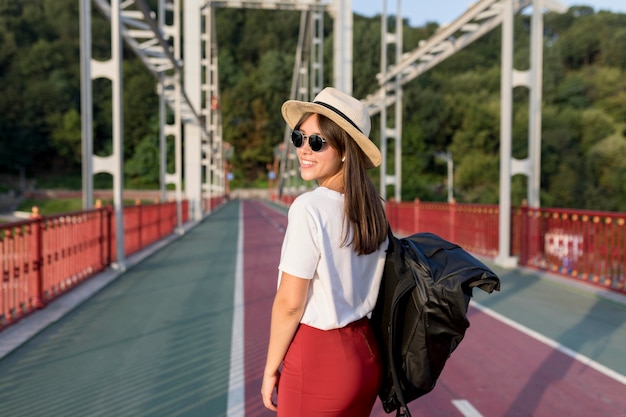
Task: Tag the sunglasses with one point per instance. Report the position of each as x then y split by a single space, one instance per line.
316 142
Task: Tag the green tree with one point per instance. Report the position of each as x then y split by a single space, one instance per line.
615 47
580 43
141 105
607 166
454 106
66 137
143 168
561 175
595 126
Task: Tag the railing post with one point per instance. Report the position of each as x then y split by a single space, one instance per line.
524 234
159 205
416 215
38 225
109 227
106 234
452 211
139 221
98 205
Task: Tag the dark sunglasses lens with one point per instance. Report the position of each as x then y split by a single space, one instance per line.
316 143
297 138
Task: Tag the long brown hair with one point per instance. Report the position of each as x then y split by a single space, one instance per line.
363 206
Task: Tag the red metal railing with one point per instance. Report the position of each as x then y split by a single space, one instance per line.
45 256
586 245
474 226
287 199
146 224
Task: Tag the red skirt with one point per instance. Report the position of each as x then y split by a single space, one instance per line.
330 372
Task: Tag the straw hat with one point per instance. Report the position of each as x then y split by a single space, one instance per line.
348 112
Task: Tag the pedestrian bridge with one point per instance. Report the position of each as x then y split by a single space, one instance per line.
183 331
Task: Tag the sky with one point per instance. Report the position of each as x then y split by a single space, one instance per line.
446 11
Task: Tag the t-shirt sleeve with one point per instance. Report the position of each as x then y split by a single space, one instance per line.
301 251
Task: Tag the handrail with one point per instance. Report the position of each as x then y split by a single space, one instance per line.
45 256
585 245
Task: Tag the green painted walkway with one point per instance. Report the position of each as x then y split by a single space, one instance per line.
157 340
584 319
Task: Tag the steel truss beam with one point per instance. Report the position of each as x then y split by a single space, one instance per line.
305 84
296 5
171 86
148 39
213 151
141 33
477 21
307 75
112 164
392 85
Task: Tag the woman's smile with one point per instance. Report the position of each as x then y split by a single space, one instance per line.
323 166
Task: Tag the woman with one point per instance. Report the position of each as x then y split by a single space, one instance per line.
330 268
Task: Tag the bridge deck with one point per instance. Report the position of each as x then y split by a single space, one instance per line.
184 333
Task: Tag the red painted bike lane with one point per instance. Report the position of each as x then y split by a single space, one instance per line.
503 372
264 228
498 370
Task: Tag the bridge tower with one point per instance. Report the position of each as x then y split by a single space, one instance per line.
392 91
480 18
134 22
112 164
196 105
307 81
532 79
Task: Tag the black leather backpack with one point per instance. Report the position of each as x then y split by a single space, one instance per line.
421 312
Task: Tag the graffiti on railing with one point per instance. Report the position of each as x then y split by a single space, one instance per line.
563 248
582 244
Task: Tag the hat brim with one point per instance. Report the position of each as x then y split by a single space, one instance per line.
293 110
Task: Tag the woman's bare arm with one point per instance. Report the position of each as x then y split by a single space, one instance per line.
287 311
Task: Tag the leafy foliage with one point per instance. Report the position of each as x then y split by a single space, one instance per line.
454 107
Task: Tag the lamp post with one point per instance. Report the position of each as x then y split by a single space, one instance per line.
447 157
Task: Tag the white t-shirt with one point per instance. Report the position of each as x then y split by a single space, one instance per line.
344 286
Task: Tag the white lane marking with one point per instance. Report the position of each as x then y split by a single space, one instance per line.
271 221
554 344
236 395
466 408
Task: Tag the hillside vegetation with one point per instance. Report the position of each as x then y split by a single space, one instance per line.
454 107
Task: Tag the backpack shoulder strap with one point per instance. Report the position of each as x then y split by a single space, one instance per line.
400 291
392 242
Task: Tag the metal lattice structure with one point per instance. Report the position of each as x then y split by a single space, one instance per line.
196 108
305 84
189 92
479 19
